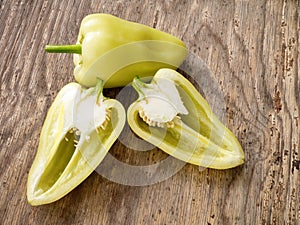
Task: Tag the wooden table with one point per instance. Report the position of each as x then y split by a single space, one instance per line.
252 51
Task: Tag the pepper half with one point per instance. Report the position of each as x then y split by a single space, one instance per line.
171 114
80 127
120 49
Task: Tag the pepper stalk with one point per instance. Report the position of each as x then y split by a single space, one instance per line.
75 49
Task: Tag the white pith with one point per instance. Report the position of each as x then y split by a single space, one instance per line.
162 104
89 114
158 113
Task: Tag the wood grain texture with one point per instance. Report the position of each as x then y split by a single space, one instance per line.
251 47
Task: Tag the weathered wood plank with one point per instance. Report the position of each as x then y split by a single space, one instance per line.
252 50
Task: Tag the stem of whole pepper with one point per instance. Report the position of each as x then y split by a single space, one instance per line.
75 49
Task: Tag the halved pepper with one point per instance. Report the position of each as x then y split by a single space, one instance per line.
80 127
120 49
171 114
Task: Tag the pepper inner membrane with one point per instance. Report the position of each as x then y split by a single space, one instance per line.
200 119
59 161
184 142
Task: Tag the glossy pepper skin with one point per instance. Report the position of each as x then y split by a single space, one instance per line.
172 115
116 50
80 127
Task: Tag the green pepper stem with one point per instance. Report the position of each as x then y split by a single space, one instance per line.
75 49
99 90
137 84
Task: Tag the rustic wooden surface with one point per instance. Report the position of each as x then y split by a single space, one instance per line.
252 48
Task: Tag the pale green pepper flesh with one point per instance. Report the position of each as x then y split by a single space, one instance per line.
65 157
198 138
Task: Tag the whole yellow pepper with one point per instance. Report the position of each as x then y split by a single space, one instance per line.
115 50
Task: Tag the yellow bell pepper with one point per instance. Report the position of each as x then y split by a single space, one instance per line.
116 50
171 114
79 129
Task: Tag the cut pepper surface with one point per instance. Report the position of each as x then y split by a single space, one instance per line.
171 114
80 127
